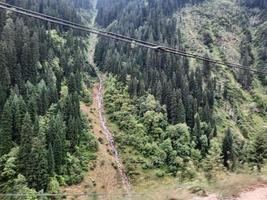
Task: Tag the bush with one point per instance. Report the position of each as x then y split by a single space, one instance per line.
160 173
87 97
53 186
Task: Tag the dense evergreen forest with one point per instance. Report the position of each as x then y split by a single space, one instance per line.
172 103
171 116
44 137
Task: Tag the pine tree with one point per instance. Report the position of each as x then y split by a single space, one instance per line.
4 78
38 176
225 91
36 126
141 88
72 86
132 88
260 149
24 158
19 111
199 87
206 113
34 47
25 63
17 80
211 92
75 106
6 130
197 131
73 133
2 20
20 38
206 67
43 102
56 137
158 94
174 107
245 75
227 148
32 106
51 161
190 121
181 112
10 49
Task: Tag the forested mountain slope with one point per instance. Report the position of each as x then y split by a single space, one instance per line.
44 138
179 115
174 119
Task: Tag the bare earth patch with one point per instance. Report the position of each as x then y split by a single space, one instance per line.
102 180
257 192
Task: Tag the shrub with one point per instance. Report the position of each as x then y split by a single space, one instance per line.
160 173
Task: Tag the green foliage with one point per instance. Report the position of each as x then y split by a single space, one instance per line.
213 162
10 180
228 149
56 137
75 174
4 78
25 148
53 185
147 130
160 173
21 188
51 160
258 151
36 115
38 177
6 130
8 166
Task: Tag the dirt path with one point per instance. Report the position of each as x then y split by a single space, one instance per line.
104 180
108 179
257 194
252 193
109 137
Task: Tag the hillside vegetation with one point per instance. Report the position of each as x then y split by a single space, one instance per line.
176 121
44 138
182 117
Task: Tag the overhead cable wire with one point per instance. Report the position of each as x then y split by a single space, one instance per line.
120 37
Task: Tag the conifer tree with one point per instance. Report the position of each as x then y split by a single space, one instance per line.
260 149
43 102
4 77
6 130
18 111
51 161
174 107
10 49
24 158
181 112
197 131
158 94
38 176
72 86
34 47
206 67
227 148
2 20
73 133
190 121
56 137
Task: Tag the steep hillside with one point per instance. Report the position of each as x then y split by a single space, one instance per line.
215 114
45 140
232 37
